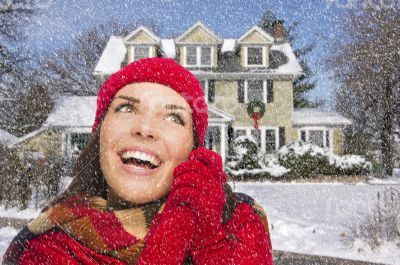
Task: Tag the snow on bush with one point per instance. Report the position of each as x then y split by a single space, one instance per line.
294 160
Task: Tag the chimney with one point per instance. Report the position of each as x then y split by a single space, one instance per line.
279 31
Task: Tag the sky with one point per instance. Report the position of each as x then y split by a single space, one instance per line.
60 21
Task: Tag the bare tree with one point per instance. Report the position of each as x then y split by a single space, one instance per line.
69 70
367 65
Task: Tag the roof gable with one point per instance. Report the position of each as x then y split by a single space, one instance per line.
256 35
142 35
198 33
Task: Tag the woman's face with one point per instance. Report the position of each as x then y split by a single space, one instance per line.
146 132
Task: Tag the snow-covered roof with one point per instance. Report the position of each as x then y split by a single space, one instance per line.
72 111
6 138
112 56
168 48
316 117
292 66
222 116
26 136
228 45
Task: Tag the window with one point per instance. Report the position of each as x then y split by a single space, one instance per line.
254 56
205 55
256 135
239 132
140 52
270 141
255 90
78 142
208 89
317 136
191 55
198 56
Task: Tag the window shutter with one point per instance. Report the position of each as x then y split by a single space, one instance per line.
270 91
327 139
282 138
303 136
211 91
241 91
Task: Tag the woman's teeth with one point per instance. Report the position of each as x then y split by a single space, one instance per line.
140 157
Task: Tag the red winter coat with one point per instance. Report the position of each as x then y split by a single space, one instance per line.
248 242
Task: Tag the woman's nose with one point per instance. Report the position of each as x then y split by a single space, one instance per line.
144 127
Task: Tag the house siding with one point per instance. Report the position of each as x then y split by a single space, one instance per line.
141 37
48 141
338 141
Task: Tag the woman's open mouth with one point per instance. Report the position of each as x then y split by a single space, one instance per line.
137 162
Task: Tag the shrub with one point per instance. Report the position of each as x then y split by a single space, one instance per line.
381 225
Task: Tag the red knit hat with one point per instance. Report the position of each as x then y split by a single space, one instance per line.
163 71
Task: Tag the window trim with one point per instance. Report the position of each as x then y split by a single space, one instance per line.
246 99
198 56
246 60
317 128
263 134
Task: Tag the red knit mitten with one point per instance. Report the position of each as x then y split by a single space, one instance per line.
198 184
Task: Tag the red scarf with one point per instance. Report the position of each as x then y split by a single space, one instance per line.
117 233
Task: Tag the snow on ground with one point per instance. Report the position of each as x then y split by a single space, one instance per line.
308 218
304 217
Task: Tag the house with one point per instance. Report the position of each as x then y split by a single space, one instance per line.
233 72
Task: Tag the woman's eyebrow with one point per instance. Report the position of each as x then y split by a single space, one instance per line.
172 106
132 99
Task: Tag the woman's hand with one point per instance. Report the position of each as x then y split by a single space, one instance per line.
198 185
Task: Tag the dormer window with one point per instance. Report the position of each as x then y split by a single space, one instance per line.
198 55
255 56
140 52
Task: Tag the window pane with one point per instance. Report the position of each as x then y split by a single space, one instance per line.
255 90
141 52
270 143
205 55
254 55
240 133
317 138
191 55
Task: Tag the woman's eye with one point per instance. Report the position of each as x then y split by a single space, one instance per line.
176 117
125 108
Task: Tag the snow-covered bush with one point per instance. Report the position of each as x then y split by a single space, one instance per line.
308 160
380 226
246 162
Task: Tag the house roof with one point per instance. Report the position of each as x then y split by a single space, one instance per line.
72 111
259 30
292 66
316 117
112 57
26 136
146 30
6 138
168 48
228 45
193 27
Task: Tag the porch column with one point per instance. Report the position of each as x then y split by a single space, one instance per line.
223 133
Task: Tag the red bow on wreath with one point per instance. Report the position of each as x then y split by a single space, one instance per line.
256 110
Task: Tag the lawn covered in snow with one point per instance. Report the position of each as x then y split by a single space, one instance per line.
304 218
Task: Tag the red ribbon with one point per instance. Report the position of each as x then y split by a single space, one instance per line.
255 117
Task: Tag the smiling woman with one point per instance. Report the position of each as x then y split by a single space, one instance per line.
145 190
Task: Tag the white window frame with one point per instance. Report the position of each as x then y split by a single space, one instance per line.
317 128
198 56
246 56
246 99
263 129
150 49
